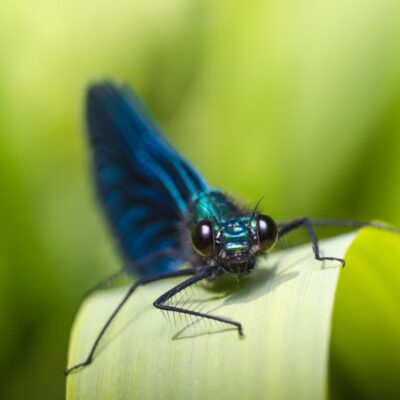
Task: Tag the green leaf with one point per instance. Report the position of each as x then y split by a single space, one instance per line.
285 307
365 361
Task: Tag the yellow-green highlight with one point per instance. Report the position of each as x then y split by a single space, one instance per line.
365 348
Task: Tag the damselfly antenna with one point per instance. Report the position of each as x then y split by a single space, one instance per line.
255 209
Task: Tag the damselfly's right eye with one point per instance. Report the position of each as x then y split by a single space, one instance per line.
203 238
267 232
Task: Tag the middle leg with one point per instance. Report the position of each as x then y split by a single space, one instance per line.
307 223
160 302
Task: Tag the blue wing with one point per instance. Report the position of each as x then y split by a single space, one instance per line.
145 186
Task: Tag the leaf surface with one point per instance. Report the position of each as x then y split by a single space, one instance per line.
285 307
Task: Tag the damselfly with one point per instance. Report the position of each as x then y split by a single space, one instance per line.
164 214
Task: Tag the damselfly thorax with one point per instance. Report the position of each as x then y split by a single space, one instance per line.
227 235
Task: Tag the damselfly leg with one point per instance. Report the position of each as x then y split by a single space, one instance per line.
126 272
160 302
311 225
140 282
307 223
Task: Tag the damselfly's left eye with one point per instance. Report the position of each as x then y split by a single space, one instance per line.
203 238
267 232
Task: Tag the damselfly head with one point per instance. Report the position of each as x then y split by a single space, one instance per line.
234 244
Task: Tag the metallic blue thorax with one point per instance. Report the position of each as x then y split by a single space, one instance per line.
233 227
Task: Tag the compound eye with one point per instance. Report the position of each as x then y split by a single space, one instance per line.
267 232
203 238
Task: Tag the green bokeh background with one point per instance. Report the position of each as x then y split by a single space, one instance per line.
296 101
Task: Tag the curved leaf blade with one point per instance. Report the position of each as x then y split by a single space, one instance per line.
285 307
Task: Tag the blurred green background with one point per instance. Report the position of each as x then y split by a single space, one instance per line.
296 101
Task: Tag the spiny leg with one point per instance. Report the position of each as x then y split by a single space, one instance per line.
344 223
160 302
292 225
105 283
141 282
137 266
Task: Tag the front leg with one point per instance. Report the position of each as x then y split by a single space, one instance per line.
132 289
160 302
292 225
